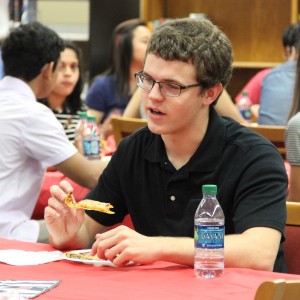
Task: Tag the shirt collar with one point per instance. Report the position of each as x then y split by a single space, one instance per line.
207 155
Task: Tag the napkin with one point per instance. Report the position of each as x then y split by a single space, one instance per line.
29 258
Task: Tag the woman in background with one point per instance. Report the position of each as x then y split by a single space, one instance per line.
111 91
65 100
292 140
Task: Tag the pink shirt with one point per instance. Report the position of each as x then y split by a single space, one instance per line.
253 87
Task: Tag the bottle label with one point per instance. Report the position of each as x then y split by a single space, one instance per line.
246 114
95 147
209 237
91 147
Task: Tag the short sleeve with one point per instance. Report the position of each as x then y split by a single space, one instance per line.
45 139
292 141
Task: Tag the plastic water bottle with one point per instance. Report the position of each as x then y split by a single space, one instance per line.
209 235
91 139
244 106
81 123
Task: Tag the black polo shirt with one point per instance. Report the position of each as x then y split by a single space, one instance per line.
248 170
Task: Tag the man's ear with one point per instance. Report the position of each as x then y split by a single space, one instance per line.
211 94
47 70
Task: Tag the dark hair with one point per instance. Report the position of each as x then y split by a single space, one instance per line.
196 41
73 102
295 108
121 51
28 48
291 35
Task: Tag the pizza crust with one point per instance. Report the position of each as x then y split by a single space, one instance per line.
81 256
88 204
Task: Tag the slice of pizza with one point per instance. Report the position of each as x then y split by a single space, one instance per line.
81 255
88 204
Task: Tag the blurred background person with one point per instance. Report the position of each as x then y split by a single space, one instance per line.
65 99
292 140
290 36
278 85
111 91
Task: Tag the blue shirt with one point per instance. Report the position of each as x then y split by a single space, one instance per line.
103 96
277 94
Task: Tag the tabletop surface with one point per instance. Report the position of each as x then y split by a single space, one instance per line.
160 280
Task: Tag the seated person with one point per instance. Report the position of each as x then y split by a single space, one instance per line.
32 139
110 92
278 86
292 141
65 99
254 85
156 174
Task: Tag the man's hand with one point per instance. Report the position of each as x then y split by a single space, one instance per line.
62 222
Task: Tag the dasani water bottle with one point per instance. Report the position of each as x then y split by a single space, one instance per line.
209 235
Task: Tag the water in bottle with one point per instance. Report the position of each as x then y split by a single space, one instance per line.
244 106
91 139
209 235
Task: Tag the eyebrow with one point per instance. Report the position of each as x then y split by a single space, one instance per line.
165 80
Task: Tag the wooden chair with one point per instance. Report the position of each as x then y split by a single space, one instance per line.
274 134
278 289
292 242
123 127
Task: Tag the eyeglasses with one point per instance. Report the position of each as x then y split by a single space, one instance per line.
167 88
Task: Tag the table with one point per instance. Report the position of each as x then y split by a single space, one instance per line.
160 280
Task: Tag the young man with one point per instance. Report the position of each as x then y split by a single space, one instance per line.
157 173
31 137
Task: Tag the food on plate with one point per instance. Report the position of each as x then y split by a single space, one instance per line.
81 255
89 204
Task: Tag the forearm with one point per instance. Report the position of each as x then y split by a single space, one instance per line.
251 249
294 190
175 249
240 250
82 171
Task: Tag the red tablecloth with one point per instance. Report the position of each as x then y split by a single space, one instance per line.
160 280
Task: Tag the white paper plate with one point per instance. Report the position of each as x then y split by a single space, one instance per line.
96 263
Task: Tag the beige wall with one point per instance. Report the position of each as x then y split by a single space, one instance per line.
63 11
69 18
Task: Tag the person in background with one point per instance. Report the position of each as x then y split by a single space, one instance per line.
254 85
65 99
278 85
32 139
292 140
156 173
1 65
224 107
110 92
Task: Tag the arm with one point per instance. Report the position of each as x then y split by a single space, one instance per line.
294 191
225 107
122 244
81 170
68 228
97 113
133 108
292 144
